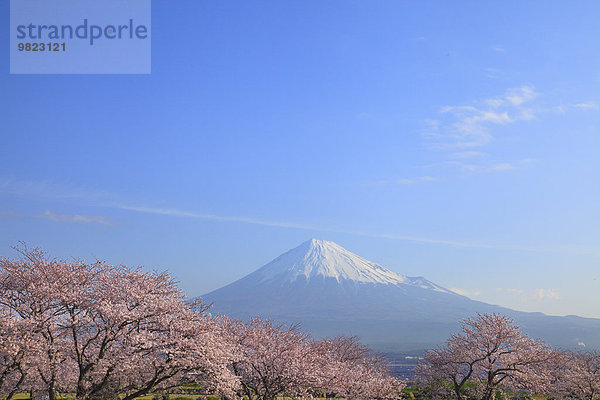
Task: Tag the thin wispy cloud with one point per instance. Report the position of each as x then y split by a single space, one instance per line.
537 295
213 217
415 180
564 108
587 106
393 182
114 201
464 135
461 129
516 97
542 294
295 225
408 181
485 166
75 218
471 126
287 224
461 155
314 227
493 73
465 292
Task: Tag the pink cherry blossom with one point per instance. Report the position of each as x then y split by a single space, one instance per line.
491 353
103 330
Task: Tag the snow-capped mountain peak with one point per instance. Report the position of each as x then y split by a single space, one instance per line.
321 259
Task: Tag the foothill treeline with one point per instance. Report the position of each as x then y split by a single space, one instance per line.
99 331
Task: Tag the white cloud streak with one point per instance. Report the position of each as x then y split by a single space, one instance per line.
484 168
417 180
467 154
465 292
537 295
49 190
297 225
391 182
587 106
542 294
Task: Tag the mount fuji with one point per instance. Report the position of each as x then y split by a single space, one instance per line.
331 291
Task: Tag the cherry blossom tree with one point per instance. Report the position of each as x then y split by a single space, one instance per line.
106 331
30 289
353 371
577 375
15 345
273 360
493 353
137 333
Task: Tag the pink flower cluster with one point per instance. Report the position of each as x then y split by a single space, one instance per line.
274 360
491 357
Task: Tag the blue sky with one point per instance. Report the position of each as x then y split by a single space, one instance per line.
457 141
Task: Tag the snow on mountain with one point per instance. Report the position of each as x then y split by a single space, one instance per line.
331 291
321 259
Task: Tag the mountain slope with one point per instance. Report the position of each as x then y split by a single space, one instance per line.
332 291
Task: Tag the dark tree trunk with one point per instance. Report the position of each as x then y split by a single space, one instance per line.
52 389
